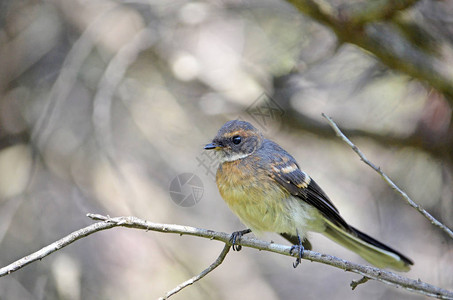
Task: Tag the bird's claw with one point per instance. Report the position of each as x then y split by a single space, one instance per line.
236 236
300 251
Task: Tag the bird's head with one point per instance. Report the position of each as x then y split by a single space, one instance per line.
235 140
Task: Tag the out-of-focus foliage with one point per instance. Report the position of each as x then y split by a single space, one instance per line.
104 103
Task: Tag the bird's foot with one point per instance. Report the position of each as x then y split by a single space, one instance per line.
300 251
236 237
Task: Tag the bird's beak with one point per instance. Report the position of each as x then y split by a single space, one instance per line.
211 146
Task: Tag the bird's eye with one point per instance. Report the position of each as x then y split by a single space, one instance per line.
237 139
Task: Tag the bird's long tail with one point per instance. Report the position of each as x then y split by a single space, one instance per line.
367 247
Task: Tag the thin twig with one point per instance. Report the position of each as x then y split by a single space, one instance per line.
205 272
132 222
355 283
427 215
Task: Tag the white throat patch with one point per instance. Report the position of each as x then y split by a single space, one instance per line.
233 157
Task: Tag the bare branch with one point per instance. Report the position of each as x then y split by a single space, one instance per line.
427 215
69 239
132 222
205 272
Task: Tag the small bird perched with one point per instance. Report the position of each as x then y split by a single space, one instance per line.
264 186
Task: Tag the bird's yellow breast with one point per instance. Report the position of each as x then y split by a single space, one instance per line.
260 202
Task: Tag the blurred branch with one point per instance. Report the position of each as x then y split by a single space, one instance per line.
367 11
66 80
306 123
14 139
437 147
382 40
427 215
205 272
132 222
107 87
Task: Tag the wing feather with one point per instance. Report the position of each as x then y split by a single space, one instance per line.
299 184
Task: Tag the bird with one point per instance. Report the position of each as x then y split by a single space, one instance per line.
265 187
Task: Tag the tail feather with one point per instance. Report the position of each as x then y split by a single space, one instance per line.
373 251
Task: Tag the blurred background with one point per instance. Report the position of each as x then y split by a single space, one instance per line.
105 107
